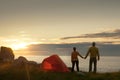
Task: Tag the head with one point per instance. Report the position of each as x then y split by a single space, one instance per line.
74 48
93 44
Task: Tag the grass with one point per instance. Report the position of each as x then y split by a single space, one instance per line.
9 72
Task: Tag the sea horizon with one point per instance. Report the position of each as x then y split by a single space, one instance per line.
66 49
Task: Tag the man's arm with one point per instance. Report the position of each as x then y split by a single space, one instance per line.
71 57
98 55
87 54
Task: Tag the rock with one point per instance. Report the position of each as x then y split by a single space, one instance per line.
20 61
6 54
32 63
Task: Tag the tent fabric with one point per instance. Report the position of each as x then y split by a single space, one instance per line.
54 63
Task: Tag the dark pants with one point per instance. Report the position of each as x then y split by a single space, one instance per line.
93 61
73 65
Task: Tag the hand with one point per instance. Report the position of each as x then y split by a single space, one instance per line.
98 59
84 57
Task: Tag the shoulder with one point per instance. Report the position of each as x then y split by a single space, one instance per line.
73 52
77 52
96 47
90 47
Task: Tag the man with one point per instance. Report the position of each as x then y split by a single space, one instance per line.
74 59
94 55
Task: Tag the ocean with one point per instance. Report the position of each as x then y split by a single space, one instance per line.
105 64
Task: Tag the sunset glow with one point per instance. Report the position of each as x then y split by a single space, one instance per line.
19 46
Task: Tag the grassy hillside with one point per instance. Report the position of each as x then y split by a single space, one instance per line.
10 72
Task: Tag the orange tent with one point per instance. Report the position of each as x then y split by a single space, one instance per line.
54 63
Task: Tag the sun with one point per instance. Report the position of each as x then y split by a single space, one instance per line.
19 46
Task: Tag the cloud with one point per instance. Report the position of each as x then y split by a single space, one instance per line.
109 34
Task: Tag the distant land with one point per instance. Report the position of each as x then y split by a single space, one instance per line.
66 49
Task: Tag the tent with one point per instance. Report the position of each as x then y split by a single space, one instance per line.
54 63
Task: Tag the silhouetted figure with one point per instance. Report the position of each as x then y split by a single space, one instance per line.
94 55
74 59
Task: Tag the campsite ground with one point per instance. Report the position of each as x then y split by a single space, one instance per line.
8 72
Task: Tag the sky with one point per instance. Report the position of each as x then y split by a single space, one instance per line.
24 22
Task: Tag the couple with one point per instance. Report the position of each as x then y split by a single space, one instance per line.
94 55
